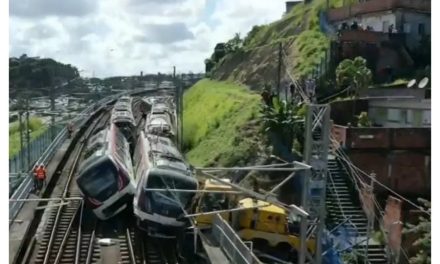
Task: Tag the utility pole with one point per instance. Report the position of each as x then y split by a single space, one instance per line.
181 113
317 137
20 127
28 138
177 106
370 213
279 68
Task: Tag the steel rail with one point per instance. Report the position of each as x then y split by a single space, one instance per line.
64 194
66 235
90 247
59 211
130 246
79 232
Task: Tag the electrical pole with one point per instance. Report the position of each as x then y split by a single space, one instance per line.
317 136
370 213
181 113
28 138
20 127
279 68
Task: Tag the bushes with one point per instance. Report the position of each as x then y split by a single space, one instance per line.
214 116
35 125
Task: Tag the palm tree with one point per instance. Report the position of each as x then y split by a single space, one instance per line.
283 123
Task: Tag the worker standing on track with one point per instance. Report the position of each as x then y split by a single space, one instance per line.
70 129
35 179
41 176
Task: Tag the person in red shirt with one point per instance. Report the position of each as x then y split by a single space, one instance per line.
41 176
35 179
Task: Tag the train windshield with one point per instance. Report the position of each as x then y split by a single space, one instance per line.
214 201
158 180
100 181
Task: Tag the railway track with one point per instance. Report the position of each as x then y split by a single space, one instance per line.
62 237
156 251
68 232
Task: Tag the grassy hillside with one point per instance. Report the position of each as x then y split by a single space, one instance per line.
36 126
303 43
219 123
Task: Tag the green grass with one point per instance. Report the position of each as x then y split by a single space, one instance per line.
298 31
216 123
35 125
397 82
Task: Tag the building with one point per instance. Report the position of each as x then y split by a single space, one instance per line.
387 33
291 4
400 112
397 148
409 17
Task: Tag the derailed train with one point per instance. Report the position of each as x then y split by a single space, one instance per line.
160 168
111 179
106 176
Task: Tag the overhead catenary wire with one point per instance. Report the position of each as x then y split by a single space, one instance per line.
340 153
353 174
355 168
294 81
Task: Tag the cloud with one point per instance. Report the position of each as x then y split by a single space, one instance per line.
42 8
165 33
41 31
124 37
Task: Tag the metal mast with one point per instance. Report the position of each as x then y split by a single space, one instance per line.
317 135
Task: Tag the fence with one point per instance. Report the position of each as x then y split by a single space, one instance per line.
231 243
26 182
20 162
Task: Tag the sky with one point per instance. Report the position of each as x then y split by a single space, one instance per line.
123 37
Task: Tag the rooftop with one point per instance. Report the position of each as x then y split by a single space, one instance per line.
374 6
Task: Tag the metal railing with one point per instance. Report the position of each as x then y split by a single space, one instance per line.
25 186
21 162
231 243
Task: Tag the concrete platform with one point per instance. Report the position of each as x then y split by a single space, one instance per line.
22 222
214 252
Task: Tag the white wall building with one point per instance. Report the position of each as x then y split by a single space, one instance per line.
400 113
407 16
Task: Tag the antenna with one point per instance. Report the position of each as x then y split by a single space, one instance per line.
411 83
423 82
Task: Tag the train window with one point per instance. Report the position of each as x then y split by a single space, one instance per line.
100 181
163 181
214 201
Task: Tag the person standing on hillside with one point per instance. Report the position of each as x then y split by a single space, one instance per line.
267 95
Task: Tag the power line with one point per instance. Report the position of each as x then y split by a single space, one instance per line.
376 203
384 186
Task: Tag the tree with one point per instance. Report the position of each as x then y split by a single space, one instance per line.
251 34
37 74
209 64
363 120
353 74
423 229
285 122
234 44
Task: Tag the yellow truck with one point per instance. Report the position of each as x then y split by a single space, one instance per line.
208 202
263 223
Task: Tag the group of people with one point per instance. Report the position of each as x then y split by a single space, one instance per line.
355 26
39 173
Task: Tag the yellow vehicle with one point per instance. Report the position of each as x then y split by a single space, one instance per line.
208 202
258 221
265 223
